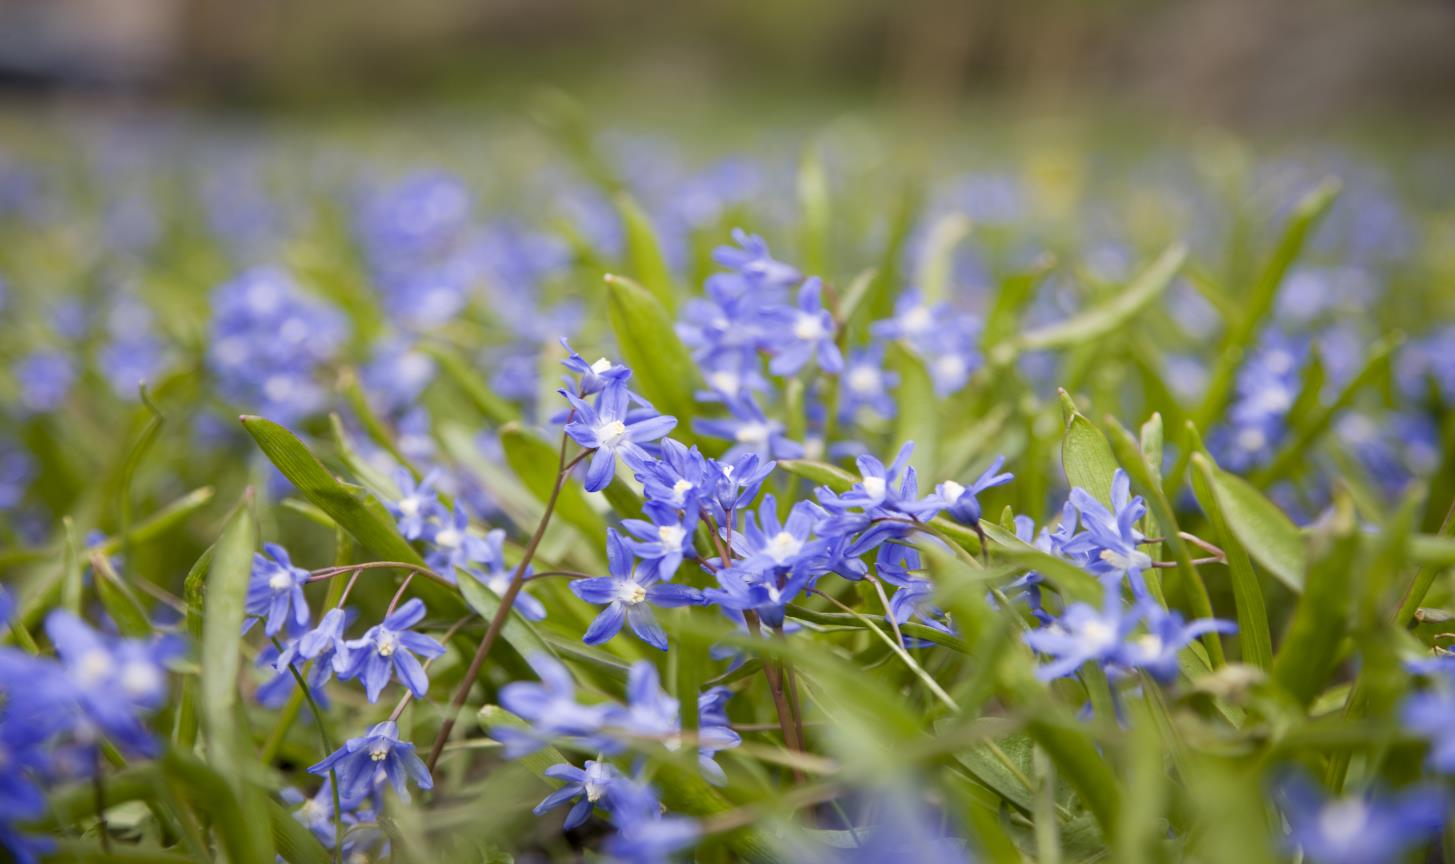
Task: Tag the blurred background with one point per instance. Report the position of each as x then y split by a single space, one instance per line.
1243 62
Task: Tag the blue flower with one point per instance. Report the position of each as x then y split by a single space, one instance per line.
387 649
115 682
651 839
961 501
1110 544
663 542
454 545
714 732
766 592
734 483
626 594
649 712
417 503
496 576
754 263
275 590
1155 651
316 813
803 333
274 692
1428 713
914 595
765 544
1083 635
607 428
595 377
16 472
865 383
751 432
599 783
45 378
323 644
361 760
1359 829
550 710
679 477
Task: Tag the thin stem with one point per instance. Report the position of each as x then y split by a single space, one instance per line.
888 614
507 601
403 586
328 748
574 574
343 597
775 688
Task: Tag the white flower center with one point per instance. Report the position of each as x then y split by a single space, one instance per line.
916 320
311 811
388 644
1150 645
409 506
951 491
671 535
1137 560
680 490
449 538
874 486
727 382
1098 635
630 593
753 433
594 790
95 667
601 366
280 581
809 327
379 751
864 379
950 366
140 680
783 546
1342 821
1252 439
611 433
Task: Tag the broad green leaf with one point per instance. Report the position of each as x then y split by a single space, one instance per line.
1253 634
1101 320
355 512
937 260
821 473
1268 535
228 748
879 299
662 368
534 461
1309 650
918 418
1085 454
1016 291
121 603
645 262
519 632
1002 764
238 810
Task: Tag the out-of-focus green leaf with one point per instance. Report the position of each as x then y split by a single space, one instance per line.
1253 634
918 417
822 473
458 372
1015 292
1309 650
1100 320
937 261
120 601
814 213
645 262
1269 536
228 748
1085 454
519 632
534 461
662 368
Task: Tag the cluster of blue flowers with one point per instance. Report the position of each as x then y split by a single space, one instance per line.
57 713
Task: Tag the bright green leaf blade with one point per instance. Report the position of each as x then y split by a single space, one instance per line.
662 368
1269 536
645 262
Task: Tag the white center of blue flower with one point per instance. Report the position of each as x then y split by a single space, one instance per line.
950 366
951 491
311 811
809 327
141 680
725 381
95 668
671 535
379 750
1150 645
782 547
1137 560
447 538
1342 821
864 379
916 320
1252 439
409 506
1098 636
874 487
280 581
611 433
601 366
630 593
388 643
753 433
680 490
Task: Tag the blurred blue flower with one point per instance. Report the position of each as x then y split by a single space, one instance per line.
379 751
751 432
1359 829
496 576
275 590
550 710
388 649
865 383
418 503
803 332
45 379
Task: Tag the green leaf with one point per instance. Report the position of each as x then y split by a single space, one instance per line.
662 368
937 261
814 218
1253 634
1016 291
917 419
458 372
519 632
1085 454
1269 536
645 262
121 603
228 747
878 301
355 512
534 461
1101 320
1310 649
821 473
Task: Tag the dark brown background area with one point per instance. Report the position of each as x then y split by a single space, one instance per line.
1237 61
